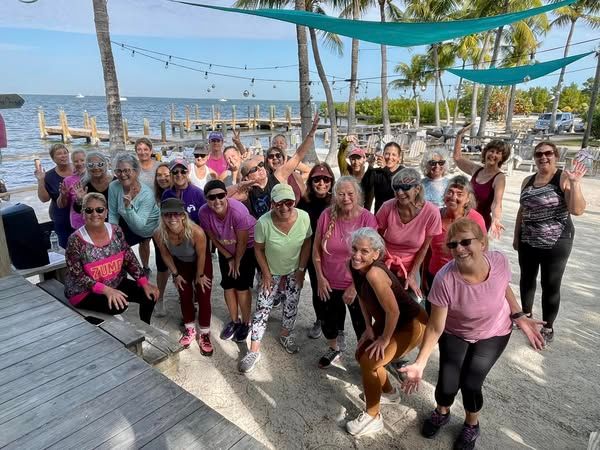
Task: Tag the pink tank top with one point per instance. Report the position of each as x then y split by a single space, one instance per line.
219 165
484 194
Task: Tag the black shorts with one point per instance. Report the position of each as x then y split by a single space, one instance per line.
161 266
247 268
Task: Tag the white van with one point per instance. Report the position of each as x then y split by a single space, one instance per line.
564 122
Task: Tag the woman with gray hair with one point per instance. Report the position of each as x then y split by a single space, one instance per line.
394 325
95 179
408 223
434 167
131 204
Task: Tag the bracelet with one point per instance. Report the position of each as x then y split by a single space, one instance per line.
175 275
517 315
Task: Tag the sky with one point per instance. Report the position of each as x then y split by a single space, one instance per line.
50 47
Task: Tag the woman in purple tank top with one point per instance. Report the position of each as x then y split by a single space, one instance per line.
487 180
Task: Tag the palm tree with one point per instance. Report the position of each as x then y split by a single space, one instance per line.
415 75
446 55
111 84
592 107
585 10
431 11
467 49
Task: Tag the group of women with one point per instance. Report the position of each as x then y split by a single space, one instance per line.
426 240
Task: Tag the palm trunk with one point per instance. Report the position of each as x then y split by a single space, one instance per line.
510 108
353 87
590 114
436 85
488 88
385 115
333 144
111 84
558 88
445 100
416 97
455 115
477 64
304 78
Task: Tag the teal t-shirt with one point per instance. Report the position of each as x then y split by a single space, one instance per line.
282 250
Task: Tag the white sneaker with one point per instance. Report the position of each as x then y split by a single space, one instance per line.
159 309
365 424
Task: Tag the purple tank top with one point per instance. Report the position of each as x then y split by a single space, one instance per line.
484 194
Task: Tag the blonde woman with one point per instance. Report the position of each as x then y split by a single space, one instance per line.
331 252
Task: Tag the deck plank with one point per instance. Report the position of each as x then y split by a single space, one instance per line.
25 303
30 320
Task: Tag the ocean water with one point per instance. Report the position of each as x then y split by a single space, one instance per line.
24 143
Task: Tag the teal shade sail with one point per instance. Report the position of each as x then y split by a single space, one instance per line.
399 34
515 75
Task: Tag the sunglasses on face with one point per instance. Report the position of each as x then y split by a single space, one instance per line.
547 154
440 163
275 155
96 165
172 214
200 155
97 209
255 169
319 178
404 187
463 243
220 196
179 172
287 203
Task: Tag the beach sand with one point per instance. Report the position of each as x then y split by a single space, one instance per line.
542 400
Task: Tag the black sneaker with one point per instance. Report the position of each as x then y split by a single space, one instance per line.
432 425
467 437
328 358
241 332
547 334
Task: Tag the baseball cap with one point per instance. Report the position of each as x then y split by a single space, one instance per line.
178 162
171 205
214 184
215 135
357 151
281 192
320 171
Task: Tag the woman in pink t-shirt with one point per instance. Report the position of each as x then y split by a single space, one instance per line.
407 224
472 305
331 253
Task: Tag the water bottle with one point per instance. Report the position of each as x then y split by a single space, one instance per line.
54 242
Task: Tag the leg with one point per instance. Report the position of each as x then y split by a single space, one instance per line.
203 297
162 272
529 262
136 294
290 305
145 253
232 304
333 312
99 303
358 321
244 303
453 351
318 305
264 304
552 270
186 294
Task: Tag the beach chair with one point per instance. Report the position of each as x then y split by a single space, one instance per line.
387 138
416 149
372 142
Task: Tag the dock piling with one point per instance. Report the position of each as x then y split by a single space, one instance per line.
94 140
125 131
163 132
42 123
146 127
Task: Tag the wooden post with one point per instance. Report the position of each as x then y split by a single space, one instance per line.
256 115
163 132
181 131
64 124
196 112
86 120
288 116
187 119
326 137
146 127
125 131
5 268
203 131
42 123
212 120
172 112
271 116
233 117
94 133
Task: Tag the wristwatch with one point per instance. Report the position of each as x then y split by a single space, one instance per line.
517 315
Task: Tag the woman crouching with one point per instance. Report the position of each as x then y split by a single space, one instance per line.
395 324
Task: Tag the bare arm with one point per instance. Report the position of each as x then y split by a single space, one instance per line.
519 219
164 252
382 286
283 172
261 259
571 185
529 326
499 185
42 193
217 244
435 328
463 164
200 245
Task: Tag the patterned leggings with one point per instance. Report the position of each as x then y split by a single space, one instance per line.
285 288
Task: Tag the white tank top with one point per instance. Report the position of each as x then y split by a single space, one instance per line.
199 182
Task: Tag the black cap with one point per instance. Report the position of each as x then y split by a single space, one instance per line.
172 205
214 184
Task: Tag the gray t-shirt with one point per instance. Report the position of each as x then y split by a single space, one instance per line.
147 175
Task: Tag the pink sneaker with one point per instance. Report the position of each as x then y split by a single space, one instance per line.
205 345
188 336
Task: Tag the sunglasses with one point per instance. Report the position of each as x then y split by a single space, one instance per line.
98 210
404 187
440 163
220 196
179 172
119 172
463 243
275 155
200 155
319 178
96 165
547 154
255 169
287 203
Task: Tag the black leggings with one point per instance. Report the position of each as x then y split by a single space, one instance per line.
552 263
314 285
334 314
135 294
464 365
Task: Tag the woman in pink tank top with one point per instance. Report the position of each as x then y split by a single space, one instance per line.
488 180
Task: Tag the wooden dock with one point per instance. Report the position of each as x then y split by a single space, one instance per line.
66 384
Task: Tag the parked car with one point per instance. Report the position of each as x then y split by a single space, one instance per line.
564 122
578 124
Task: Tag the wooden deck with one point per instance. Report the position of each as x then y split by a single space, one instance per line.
66 384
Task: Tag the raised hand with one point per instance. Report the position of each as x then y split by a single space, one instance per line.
63 189
414 375
235 138
79 190
39 174
578 170
496 229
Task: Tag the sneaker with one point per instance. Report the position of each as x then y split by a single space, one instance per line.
341 341
315 331
206 347
248 362
328 358
387 398
433 424
159 309
189 334
241 333
467 437
289 344
364 424
547 334
229 330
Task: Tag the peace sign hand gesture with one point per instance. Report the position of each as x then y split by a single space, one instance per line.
577 172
